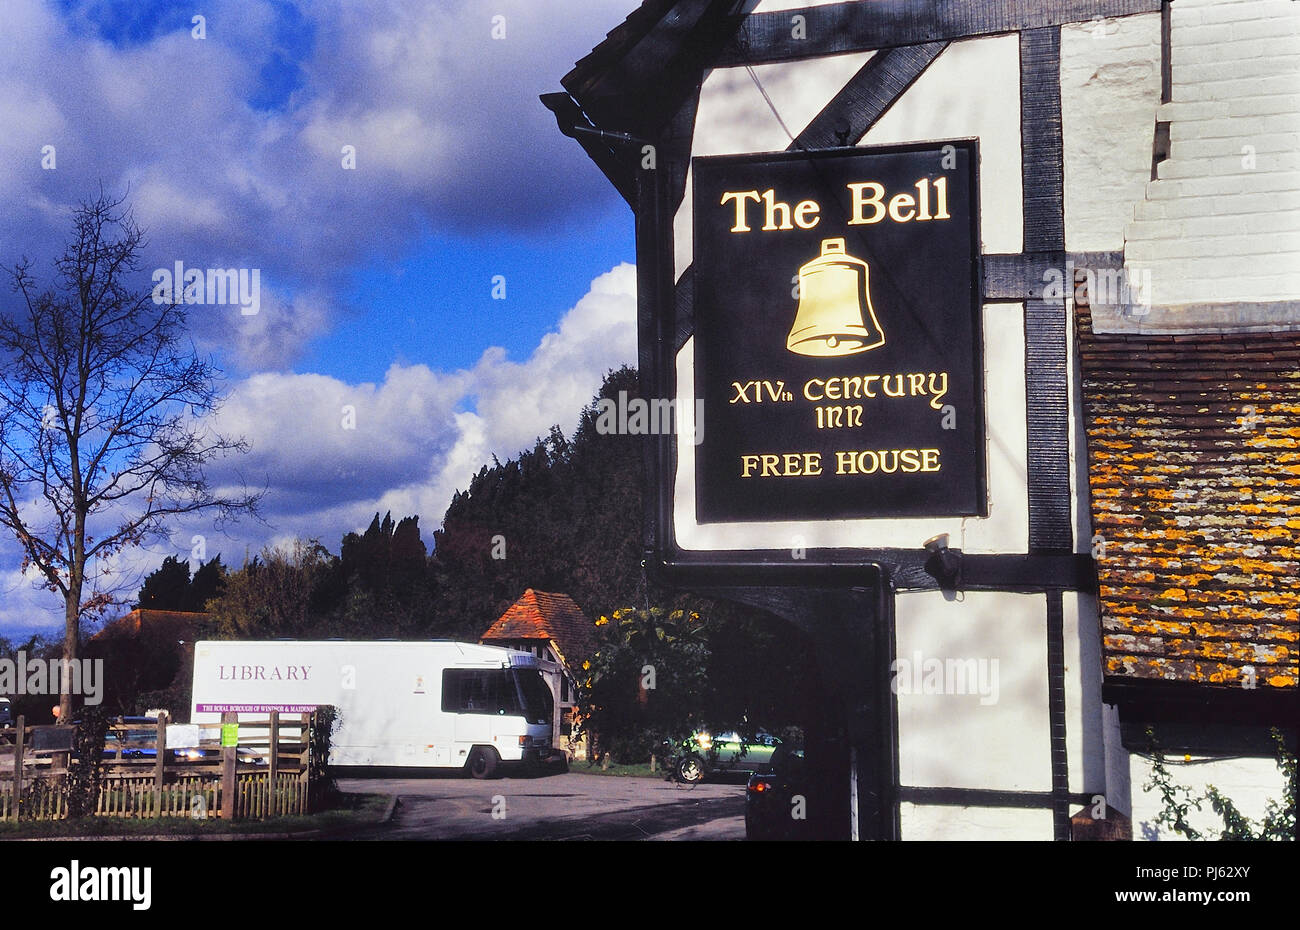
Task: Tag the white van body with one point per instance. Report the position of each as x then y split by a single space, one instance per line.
426 704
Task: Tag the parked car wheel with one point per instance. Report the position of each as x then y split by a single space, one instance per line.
691 770
482 762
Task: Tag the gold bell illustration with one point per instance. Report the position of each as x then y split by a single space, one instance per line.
835 315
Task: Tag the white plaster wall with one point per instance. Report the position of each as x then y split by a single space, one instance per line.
1249 782
1085 720
958 740
1119 786
972 89
966 741
940 823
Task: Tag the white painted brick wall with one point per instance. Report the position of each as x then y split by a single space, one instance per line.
1220 222
1110 91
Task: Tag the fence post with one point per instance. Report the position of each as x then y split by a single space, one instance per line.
159 762
229 787
18 767
273 766
308 725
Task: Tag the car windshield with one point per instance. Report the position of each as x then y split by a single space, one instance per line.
534 696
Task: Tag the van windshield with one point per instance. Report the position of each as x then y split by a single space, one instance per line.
534 695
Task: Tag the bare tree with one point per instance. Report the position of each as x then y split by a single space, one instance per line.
102 403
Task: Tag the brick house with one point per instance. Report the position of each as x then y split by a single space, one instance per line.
148 656
552 627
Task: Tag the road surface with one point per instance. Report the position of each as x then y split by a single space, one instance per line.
572 806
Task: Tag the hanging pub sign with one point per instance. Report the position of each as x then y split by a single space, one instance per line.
837 343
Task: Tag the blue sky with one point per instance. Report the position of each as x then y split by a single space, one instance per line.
231 137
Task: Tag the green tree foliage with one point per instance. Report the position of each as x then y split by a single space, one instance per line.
141 664
34 707
382 586
661 674
271 596
208 582
170 587
648 682
563 516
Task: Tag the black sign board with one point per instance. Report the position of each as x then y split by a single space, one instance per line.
837 337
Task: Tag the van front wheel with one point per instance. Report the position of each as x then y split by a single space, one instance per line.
483 762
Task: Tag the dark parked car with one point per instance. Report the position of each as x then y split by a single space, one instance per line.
776 801
704 755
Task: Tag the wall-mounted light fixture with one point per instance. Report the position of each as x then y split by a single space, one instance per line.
944 564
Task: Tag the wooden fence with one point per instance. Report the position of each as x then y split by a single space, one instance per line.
265 775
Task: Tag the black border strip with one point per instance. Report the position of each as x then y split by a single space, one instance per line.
858 27
1193 702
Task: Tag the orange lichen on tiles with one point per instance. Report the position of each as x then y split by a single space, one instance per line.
1198 499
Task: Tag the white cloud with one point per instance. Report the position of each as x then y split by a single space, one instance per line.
436 109
449 133
333 452
419 436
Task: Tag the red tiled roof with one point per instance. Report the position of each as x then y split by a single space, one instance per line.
549 617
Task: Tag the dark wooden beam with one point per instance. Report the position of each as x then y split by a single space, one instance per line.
1166 54
905 567
638 79
858 27
1017 277
677 142
1023 276
1056 715
1040 140
984 797
1047 395
1048 427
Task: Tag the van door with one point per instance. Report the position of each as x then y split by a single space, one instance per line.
465 693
